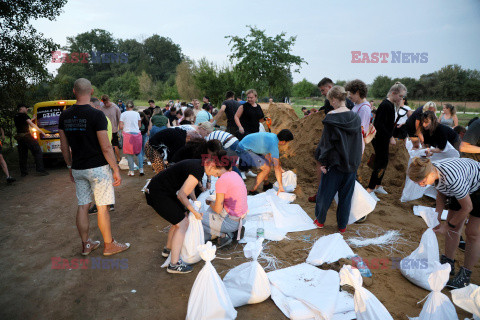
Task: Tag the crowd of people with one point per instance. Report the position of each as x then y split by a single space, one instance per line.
183 142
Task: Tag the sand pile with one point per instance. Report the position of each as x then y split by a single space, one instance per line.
282 115
298 155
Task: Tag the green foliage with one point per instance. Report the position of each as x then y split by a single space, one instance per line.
264 62
145 85
380 87
305 88
163 57
185 82
125 87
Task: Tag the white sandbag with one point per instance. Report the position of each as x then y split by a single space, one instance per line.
261 128
248 283
193 238
362 203
297 310
438 306
209 298
418 266
468 298
329 249
418 209
315 288
289 181
123 164
413 191
367 306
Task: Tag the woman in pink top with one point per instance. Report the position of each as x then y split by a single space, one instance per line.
224 218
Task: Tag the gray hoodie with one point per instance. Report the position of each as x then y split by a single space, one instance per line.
341 142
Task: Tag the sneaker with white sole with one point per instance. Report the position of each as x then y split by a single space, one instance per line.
251 174
380 190
89 246
165 252
179 267
131 173
149 163
244 177
115 247
374 196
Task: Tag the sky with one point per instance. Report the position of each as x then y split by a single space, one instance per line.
326 31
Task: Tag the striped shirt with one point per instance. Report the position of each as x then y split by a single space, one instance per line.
222 136
458 177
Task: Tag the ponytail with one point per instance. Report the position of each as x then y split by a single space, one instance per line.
419 169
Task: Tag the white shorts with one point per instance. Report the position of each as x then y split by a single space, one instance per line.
97 181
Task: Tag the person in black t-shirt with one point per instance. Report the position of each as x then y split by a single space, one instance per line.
83 130
26 142
436 134
384 124
249 115
206 104
168 194
229 107
324 86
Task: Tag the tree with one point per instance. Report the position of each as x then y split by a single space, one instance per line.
163 56
24 52
125 87
380 87
185 82
146 85
304 89
264 62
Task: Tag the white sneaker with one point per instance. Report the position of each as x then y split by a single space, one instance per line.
131 173
380 190
149 163
251 174
243 175
374 196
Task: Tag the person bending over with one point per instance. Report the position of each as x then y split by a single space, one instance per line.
458 189
261 150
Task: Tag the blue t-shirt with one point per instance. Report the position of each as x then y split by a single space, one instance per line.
260 143
203 116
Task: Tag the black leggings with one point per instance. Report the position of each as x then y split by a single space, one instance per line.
380 163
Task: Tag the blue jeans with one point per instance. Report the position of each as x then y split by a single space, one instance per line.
332 182
130 159
156 129
141 156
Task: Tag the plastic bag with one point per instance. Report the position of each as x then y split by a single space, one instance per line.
193 238
367 306
123 164
329 249
413 191
418 266
468 299
438 306
248 283
289 181
362 203
209 298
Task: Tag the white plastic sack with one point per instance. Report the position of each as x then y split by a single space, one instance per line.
315 288
413 191
289 181
248 283
362 203
193 238
418 266
438 306
261 128
123 164
418 209
209 298
468 298
329 249
367 306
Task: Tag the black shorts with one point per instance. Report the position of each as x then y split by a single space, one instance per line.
115 139
168 207
475 203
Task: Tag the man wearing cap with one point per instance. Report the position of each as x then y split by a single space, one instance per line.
26 142
121 106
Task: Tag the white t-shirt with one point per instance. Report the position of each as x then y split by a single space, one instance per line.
404 118
130 121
